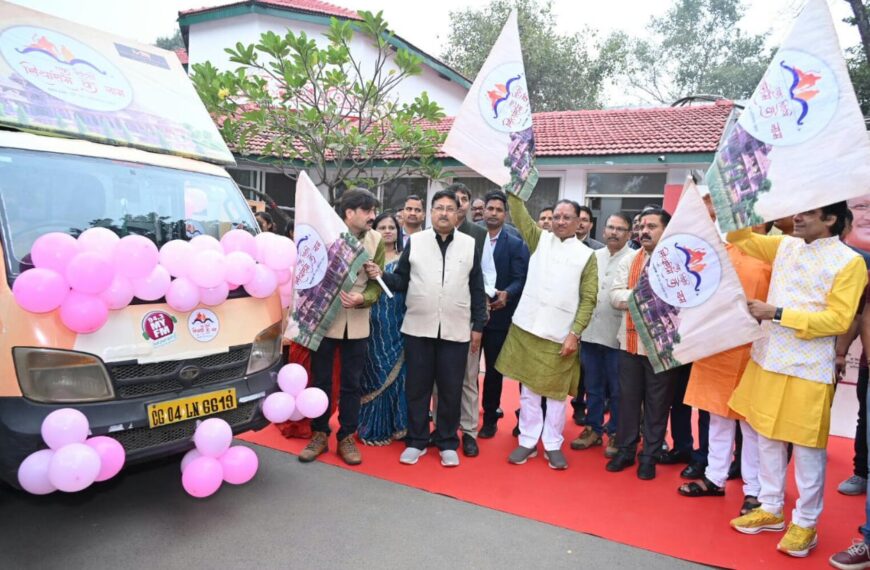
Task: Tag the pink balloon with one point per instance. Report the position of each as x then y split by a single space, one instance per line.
206 243
293 378
90 272
312 402
175 256
214 295
212 437
240 267
40 290
296 415
136 256
240 465
153 286
286 301
278 407
119 294
286 288
264 242
54 251
64 426
263 284
207 268
112 456
33 473
83 313
233 286
284 276
182 295
74 467
280 255
99 240
239 240
189 457
202 477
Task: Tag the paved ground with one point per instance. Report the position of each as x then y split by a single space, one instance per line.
311 516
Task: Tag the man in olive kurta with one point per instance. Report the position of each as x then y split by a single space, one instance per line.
556 305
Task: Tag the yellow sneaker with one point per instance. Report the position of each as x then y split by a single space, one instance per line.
798 541
757 520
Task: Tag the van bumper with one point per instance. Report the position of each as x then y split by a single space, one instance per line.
127 421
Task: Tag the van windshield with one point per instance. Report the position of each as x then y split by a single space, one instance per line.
44 192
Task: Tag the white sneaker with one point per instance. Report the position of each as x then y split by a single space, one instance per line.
449 458
854 485
411 455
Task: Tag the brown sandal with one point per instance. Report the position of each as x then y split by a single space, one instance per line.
694 489
749 503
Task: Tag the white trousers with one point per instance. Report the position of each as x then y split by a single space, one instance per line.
749 460
809 463
534 426
721 443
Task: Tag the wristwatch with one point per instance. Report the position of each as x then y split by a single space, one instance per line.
777 315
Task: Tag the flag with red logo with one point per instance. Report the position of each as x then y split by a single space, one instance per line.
492 134
327 261
689 292
801 142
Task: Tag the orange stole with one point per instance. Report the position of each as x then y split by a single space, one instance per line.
637 265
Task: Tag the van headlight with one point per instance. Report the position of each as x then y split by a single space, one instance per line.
266 349
61 376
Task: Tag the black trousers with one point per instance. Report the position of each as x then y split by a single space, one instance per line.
681 423
353 357
643 393
493 340
861 432
432 360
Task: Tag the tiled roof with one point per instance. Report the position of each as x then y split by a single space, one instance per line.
308 6
182 55
657 130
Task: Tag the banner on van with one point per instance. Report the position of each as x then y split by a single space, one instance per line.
71 80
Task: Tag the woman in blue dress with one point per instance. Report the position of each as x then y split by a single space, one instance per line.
383 416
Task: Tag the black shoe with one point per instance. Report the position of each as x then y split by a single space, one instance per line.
469 446
620 462
516 431
693 471
499 413
580 417
646 471
487 431
734 470
675 456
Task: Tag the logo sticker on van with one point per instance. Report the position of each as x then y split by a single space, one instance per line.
159 328
203 325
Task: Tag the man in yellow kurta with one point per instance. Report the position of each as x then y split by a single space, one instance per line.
786 392
540 349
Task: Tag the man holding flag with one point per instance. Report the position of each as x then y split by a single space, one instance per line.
787 389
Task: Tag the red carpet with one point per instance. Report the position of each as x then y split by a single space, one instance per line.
615 506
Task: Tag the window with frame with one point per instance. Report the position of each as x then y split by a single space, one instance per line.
615 183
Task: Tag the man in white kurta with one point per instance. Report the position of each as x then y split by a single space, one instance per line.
787 389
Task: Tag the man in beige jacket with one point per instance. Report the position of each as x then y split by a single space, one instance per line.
349 333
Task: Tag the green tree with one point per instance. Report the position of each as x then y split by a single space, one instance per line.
696 48
857 57
172 42
562 72
324 109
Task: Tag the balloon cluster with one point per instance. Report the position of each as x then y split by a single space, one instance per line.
294 401
87 277
73 461
213 461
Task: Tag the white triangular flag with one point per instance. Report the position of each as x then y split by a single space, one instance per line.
801 142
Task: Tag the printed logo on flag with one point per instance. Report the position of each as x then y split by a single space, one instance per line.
504 99
795 100
684 270
65 68
311 257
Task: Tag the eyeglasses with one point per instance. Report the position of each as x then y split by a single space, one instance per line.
444 209
615 229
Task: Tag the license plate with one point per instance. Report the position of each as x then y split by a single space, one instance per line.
183 409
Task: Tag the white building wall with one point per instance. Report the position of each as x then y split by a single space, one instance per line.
207 41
